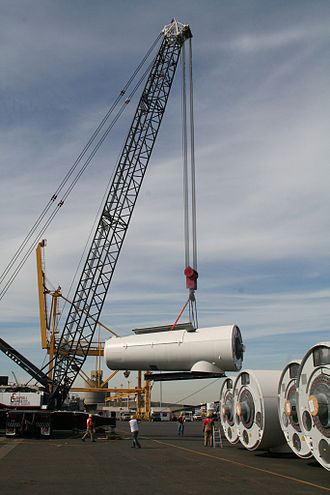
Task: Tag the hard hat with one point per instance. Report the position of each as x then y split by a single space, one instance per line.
132 417
208 415
181 413
90 416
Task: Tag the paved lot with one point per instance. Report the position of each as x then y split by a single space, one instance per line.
166 464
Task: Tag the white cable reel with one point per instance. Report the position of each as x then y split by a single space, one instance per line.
227 411
313 393
256 416
287 411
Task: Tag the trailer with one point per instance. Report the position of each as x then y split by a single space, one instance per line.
42 423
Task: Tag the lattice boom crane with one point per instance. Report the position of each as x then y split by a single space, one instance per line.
110 233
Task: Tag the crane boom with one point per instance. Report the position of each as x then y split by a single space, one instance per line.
102 258
25 364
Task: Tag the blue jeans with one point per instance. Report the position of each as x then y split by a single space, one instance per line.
135 441
180 428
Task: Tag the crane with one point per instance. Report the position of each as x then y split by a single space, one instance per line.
74 343
110 233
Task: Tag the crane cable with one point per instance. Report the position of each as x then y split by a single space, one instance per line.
189 183
33 229
193 303
67 192
192 162
189 172
189 180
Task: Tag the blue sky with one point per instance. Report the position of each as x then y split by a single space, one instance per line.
262 129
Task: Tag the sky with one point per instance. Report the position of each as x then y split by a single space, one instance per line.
261 115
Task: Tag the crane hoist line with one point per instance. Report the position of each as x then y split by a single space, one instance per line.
64 189
110 232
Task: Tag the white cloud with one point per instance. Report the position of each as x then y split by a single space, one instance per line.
280 38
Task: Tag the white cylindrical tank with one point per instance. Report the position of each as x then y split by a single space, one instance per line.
206 350
256 416
313 393
287 411
227 411
95 397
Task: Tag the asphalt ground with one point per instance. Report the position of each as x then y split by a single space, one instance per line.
165 464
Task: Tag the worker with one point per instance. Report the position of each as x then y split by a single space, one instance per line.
133 424
90 429
208 424
181 422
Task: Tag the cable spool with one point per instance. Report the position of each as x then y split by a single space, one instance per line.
227 411
313 393
256 416
287 411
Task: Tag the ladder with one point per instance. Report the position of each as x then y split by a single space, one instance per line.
217 440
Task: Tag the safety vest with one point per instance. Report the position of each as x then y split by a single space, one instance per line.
208 423
89 422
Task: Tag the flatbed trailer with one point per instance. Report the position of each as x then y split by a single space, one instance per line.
41 423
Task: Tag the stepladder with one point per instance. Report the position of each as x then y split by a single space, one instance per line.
217 440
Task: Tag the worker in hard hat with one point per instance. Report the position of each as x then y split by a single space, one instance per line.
89 429
181 422
208 424
134 427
